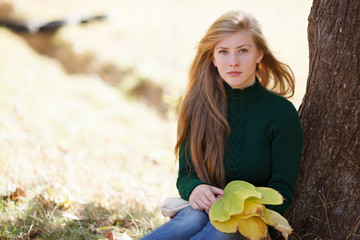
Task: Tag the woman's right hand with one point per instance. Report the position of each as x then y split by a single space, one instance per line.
203 196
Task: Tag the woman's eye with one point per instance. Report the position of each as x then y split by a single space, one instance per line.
222 51
243 50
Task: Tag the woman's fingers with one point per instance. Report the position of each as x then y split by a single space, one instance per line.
198 204
203 196
197 198
217 191
195 206
210 197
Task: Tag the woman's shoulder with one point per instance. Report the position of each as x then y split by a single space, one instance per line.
277 102
279 110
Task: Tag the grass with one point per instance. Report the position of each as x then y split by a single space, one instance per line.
76 140
89 158
40 218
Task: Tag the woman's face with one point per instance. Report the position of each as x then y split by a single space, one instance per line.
235 57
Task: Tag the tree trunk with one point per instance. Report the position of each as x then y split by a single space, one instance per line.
327 201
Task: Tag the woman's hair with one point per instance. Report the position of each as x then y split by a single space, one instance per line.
202 124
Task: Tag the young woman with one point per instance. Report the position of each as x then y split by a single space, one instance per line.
234 124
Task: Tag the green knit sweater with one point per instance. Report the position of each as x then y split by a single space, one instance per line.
264 146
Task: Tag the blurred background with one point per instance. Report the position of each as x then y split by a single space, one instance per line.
89 92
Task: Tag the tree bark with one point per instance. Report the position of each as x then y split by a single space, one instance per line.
327 200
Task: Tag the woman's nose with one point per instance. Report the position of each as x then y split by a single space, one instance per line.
234 62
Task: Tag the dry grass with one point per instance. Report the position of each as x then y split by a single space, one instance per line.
78 140
89 158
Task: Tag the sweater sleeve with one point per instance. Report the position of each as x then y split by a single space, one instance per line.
287 147
187 178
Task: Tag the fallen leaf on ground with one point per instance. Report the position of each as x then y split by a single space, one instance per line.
46 203
108 234
15 196
123 223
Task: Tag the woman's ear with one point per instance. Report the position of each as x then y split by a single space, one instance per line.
260 56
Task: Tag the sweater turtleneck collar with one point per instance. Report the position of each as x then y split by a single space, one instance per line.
251 92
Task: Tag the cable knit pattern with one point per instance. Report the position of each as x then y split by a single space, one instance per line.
264 146
237 108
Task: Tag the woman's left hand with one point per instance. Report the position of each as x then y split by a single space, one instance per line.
203 196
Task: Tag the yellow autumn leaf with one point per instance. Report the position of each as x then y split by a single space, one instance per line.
228 226
269 196
235 194
280 223
231 225
252 208
266 217
242 208
253 228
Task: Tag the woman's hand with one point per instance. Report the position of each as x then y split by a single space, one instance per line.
203 196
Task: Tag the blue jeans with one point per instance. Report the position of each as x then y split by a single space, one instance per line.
190 224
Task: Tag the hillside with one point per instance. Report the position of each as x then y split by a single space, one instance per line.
76 140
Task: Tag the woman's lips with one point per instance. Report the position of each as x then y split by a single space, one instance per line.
233 73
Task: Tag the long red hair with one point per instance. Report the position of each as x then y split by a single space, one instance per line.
202 123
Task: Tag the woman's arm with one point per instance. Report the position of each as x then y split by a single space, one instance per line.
286 156
201 195
187 179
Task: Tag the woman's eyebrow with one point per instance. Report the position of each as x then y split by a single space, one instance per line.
241 46
244 45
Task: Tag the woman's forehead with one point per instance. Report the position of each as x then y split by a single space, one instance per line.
237 39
